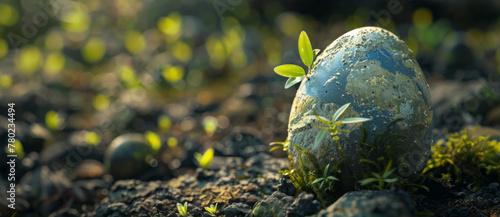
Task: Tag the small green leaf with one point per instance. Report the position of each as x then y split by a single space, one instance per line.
354 120
367 181
182 209
289 70
315 53
389 173
293 80
339 112
325 171
425 188
391 180
387 168
378 176
205 159
317 180
333 178
212 209
305 49
321 135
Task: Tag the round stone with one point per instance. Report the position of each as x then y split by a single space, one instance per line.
374 71
126 156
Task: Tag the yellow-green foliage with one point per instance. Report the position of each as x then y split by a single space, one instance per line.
464 158
307 181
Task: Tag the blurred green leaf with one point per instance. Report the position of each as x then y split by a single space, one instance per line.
205 159
367 181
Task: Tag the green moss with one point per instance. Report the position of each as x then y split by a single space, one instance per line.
465 159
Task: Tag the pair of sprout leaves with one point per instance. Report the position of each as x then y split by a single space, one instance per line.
183 208
296 73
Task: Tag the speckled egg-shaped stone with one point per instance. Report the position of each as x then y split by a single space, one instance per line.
375 71
126 156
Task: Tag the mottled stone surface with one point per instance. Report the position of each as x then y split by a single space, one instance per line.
281 205
376 72
365 203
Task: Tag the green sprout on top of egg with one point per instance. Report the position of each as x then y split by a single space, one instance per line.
296 73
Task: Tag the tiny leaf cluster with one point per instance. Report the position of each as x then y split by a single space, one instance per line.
333 124
296 73
205 159
182 208
381 179
326 180
212 209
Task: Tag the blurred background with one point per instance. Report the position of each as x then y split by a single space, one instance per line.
195 74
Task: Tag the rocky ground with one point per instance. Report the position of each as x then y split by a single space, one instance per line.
243 179
255 188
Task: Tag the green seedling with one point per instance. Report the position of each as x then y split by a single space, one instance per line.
212 209
205 159
332 125
296 73
380 179
182 208
325 179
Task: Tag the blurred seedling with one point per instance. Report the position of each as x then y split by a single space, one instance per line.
296 73
380 180
182 208
326 180
332 125
18 148
92 138
210 124
53 120
212 209
154 141
205 159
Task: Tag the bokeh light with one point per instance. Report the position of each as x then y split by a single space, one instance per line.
94 50
29 59
8 15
